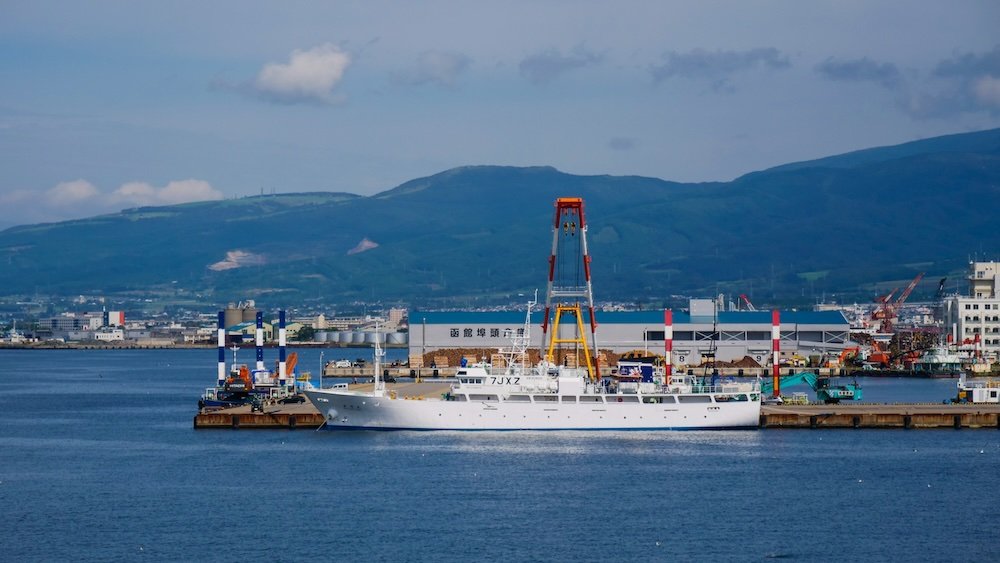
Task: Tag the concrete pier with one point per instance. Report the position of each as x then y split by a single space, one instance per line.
907 416
290 417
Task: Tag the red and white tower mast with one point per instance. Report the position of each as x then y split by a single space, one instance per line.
569 237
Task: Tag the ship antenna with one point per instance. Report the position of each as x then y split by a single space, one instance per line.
516 355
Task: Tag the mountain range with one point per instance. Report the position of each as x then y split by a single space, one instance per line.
846 226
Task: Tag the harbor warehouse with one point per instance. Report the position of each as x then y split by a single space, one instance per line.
730 335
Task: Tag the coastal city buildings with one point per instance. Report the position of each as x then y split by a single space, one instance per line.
974 319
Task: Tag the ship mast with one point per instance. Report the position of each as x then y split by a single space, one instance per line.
379 389
516 357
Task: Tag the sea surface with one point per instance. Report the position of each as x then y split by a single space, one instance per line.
99 462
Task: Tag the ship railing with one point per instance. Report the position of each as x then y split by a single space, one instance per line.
738 388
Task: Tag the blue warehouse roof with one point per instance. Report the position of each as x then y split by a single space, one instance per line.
628 317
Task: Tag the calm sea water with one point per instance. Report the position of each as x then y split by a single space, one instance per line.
99 462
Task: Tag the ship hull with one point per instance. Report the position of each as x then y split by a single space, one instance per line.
348 410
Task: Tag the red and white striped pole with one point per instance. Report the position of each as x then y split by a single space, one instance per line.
668 345
775 349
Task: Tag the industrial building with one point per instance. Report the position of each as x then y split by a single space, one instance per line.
729 335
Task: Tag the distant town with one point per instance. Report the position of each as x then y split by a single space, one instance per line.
116 328
948 333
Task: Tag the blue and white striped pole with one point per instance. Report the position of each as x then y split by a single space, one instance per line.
260 340
282 370
222 348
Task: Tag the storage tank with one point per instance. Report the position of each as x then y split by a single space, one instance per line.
250 314
321 336
357 337
396 338
233 316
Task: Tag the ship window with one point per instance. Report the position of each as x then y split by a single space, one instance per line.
695 399
627 399
460 398
546 398
591 399
519 399
489 398
568 399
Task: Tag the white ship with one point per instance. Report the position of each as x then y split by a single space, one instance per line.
544 397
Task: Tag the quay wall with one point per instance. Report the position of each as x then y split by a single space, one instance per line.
814 416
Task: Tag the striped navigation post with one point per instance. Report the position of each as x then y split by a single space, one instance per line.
282 369
668 345
222 348
260 340
775 348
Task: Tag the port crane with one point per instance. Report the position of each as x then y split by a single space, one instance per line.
569 284
888 310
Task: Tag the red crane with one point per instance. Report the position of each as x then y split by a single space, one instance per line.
888 310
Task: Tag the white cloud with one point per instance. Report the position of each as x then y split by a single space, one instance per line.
134 193
987 91
71 193
78 199
438 67
717 66
308 77
178 191
547 65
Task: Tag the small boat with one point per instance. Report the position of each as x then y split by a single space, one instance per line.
977 391
938 363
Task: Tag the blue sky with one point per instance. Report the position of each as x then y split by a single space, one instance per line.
112 104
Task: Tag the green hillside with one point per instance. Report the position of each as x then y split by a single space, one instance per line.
481 234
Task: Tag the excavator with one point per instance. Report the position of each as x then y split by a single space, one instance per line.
820 385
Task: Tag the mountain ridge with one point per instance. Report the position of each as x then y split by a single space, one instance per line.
480 234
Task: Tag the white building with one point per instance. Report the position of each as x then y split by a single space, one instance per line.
978 313
110 335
